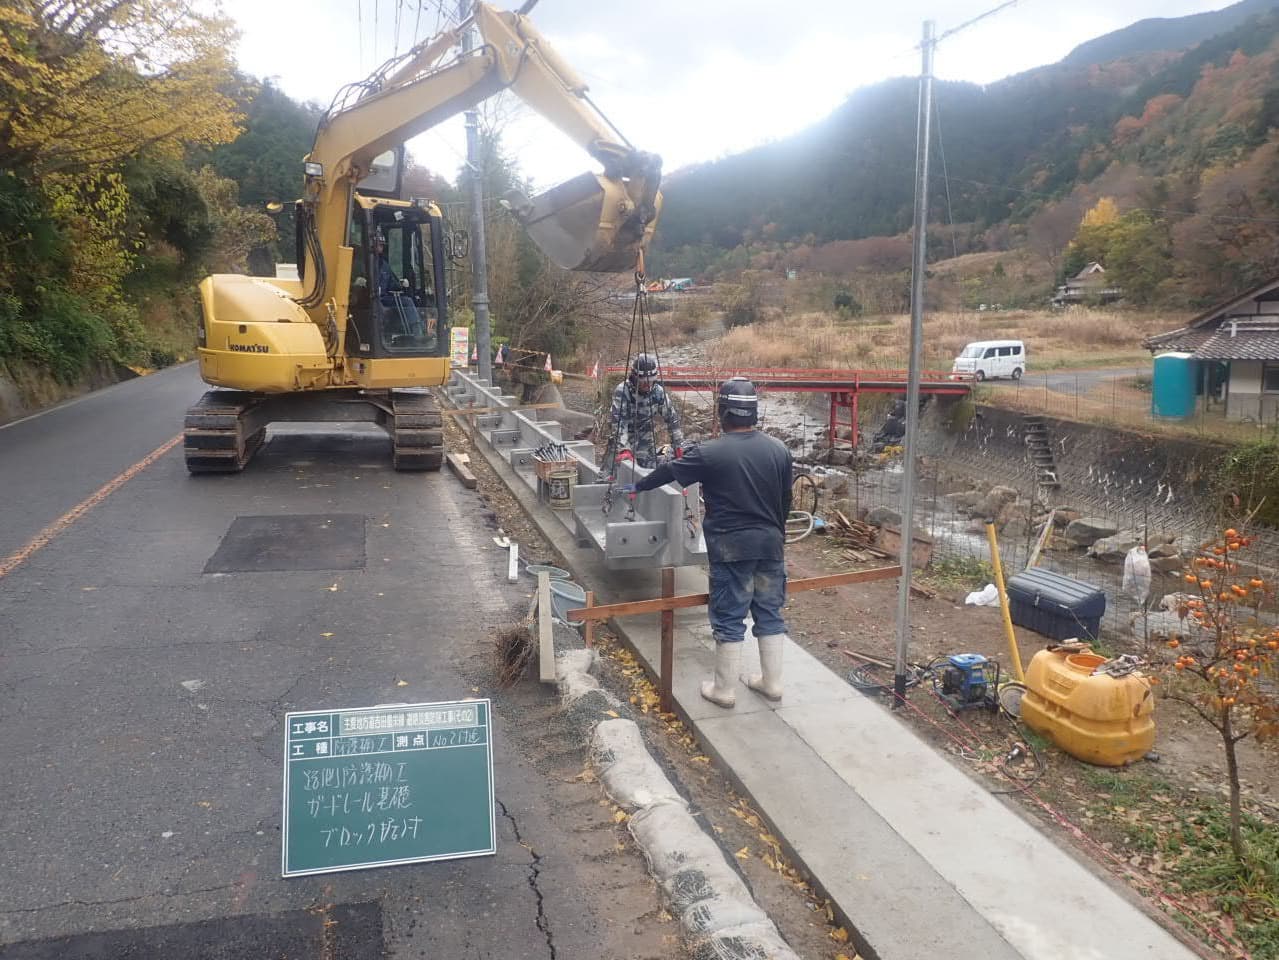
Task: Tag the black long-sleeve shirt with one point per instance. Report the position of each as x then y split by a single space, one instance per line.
746 483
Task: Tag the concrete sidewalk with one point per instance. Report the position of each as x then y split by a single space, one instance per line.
919 859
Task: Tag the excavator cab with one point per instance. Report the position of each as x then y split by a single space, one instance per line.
396 302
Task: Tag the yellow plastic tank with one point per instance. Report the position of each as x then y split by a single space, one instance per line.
1093 716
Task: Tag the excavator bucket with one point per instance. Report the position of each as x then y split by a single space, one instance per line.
588 223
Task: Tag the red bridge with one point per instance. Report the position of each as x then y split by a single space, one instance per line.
844 386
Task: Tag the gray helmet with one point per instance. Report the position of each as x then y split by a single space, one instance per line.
643 368
738 399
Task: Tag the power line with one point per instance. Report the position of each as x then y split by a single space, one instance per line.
399 5
977 19
417 22
950 210
359 21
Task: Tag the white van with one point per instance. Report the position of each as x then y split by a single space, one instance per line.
987 359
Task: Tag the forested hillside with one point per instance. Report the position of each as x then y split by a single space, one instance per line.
1181 141
133 159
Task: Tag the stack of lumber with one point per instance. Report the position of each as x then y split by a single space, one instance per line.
855 538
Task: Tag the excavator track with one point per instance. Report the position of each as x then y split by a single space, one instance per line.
417 437
218 434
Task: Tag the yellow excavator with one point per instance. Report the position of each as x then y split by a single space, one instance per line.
367 317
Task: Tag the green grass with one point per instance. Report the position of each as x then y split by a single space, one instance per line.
1191 836
1066 361
954 572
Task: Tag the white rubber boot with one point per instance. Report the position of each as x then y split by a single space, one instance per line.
769 683
720 690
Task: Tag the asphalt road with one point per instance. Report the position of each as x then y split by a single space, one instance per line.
142 703
1068 381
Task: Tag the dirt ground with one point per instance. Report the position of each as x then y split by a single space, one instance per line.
1109 815
645 930
1122 821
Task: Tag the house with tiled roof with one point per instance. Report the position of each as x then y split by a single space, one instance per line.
1231 353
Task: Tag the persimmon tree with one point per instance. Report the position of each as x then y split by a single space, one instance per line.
1223 663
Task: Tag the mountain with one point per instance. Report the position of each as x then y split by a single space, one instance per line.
1164 33
1151 127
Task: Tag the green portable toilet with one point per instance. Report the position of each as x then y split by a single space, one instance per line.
1174 386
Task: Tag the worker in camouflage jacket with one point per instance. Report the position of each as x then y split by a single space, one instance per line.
638 402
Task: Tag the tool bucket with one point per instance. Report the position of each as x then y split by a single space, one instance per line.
587 223
1094 717
559 488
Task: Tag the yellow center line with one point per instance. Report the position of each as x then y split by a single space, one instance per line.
59 526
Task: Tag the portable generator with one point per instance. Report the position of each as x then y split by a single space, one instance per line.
968 680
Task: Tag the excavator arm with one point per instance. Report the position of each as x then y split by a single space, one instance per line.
593 222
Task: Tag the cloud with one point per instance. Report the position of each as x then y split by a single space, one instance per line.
688 79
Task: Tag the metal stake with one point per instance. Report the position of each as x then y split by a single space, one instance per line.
916 347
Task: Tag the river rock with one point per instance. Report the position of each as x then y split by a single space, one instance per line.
1064 517
1159 551
840 458
1113 549
884 515
993 504
1086 531
965 502
1170 564
836 484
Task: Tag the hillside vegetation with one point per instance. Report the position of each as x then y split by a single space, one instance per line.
1182 141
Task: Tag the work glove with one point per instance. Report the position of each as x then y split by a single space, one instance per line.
679 452
629 489
624 455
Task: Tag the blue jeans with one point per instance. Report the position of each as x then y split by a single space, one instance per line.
757 587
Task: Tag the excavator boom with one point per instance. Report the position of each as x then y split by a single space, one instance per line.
596 222
365 325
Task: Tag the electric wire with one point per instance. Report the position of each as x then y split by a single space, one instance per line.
977 19
941 147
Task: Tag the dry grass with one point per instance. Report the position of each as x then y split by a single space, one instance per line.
512 653
1075 337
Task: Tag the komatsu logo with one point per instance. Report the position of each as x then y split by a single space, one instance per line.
248 348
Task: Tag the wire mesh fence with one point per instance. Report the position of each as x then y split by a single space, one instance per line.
1123 399
988 471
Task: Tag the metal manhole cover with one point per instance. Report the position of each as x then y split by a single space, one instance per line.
352 931
319 541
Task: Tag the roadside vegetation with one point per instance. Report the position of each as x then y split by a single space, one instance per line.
1073 337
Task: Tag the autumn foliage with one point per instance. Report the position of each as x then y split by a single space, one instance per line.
1224 663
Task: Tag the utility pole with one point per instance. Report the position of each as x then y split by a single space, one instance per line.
916 348
479 254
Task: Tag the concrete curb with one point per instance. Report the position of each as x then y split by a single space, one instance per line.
718 916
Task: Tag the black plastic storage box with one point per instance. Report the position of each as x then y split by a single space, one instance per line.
1055 605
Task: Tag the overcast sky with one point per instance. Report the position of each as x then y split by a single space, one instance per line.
690 80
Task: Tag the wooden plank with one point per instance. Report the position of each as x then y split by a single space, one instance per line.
588 631
513 565
545 637
841 579
634 607
666 682
461 471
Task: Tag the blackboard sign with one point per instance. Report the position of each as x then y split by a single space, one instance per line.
387 785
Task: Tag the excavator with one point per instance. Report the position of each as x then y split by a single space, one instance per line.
365 326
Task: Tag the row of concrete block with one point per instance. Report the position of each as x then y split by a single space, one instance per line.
659 528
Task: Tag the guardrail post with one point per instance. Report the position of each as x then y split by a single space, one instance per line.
665 684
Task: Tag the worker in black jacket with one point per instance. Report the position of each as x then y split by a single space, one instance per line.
746 482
